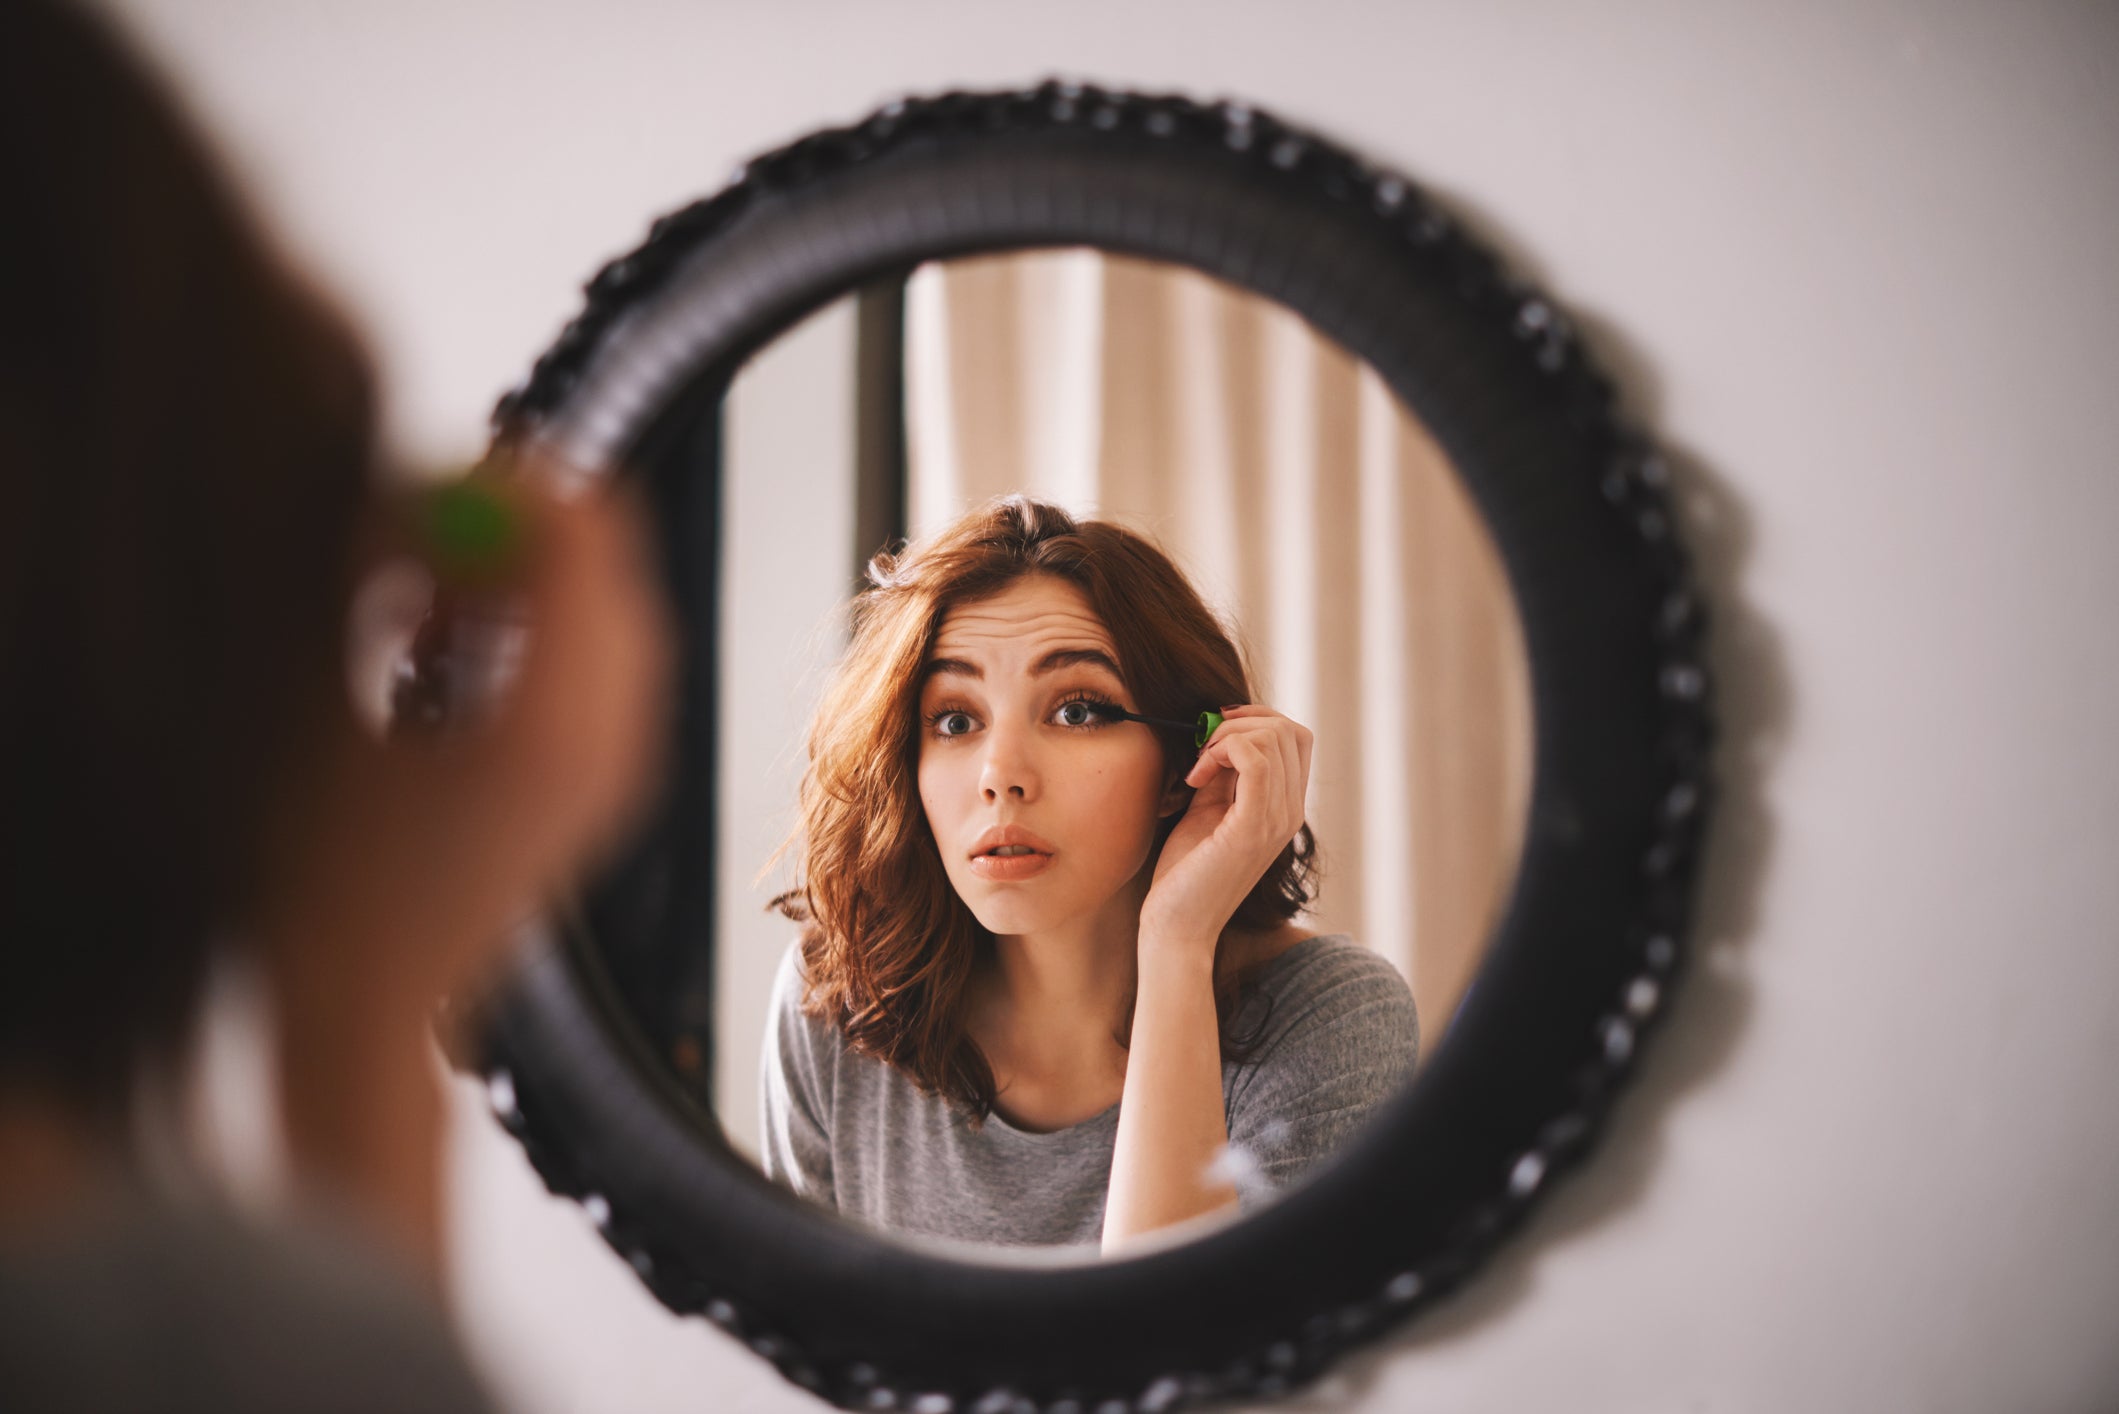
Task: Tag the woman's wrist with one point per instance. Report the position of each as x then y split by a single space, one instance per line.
362 1106
1171 1122
1178 949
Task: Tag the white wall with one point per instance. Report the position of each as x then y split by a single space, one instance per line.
1854 262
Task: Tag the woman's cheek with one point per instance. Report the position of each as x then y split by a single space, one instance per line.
1138 809
933 805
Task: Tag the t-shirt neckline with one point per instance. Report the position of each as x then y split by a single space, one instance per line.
1108 1118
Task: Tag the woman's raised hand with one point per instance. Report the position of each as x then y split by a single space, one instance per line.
431 848
1250 783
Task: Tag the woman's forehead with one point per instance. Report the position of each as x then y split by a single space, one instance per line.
1028 620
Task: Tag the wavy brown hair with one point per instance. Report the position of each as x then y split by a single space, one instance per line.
888 947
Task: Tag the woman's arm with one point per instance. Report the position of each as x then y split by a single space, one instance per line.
1171 1127
361 1102
1249 784
399 869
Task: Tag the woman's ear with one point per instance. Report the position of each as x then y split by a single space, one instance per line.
1175 797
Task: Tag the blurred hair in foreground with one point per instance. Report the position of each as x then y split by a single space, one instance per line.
185 438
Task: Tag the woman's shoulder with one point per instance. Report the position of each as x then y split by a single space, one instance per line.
1329 984
1330 962
789 1016
790 978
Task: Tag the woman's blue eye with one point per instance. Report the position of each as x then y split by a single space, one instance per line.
942 724
1080 714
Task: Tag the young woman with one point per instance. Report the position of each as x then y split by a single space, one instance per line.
1051 988
187 498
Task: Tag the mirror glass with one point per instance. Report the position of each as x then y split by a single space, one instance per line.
1323 528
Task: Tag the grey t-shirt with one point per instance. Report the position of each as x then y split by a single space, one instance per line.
1336 1035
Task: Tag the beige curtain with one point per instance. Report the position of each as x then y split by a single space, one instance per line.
1309 508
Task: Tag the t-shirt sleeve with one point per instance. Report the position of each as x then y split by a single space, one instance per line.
1339 1038
795 1094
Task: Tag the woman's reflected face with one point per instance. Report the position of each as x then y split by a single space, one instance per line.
1044 807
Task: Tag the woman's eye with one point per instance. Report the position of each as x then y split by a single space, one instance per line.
952 724
1079 714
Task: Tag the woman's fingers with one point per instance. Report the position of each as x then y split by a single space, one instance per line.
571 746
1288 787
1276 780
1254 715
1269 786
596 678
470 826
1254 768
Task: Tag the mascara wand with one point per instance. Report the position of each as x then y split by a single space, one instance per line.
1201 727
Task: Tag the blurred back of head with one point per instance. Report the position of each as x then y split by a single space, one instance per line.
185 442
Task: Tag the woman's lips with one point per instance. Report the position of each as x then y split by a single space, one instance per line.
1012 865
1009 867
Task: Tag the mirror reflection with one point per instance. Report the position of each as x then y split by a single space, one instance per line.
1005 956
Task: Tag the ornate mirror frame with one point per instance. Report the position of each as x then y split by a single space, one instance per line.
1594 931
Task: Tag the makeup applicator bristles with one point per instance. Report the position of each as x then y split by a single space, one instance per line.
1201 728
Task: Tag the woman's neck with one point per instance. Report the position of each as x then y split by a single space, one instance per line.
1056 990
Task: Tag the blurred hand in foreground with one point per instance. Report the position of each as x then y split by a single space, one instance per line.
435 845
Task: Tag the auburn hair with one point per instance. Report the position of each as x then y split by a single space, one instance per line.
888 948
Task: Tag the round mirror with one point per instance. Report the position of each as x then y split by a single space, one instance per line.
1033 471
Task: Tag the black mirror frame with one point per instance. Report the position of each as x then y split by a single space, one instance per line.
1595 932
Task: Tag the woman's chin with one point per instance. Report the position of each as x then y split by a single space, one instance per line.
1012 910
1010 918
1030 906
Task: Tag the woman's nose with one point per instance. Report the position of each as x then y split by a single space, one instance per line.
1007 773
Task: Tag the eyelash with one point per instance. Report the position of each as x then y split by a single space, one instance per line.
1103 709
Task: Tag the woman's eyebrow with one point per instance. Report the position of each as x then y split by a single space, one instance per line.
1051 663
1074 658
